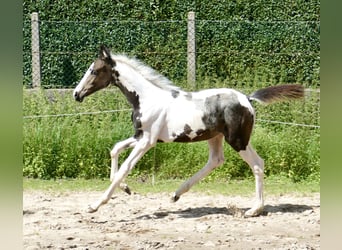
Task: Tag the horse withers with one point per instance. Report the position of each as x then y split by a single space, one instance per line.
162 112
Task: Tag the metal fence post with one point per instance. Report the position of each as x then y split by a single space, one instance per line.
191 50
35 50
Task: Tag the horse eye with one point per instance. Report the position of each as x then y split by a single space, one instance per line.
93 72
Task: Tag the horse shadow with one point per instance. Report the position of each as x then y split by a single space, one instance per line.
234 211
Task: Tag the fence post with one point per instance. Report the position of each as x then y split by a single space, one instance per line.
191 50
35 50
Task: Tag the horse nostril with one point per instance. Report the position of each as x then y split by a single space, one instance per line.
77 97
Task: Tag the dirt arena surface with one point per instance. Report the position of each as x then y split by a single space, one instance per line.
151 221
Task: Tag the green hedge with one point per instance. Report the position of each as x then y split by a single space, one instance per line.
246 43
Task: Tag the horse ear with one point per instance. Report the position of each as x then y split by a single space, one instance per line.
104 52
106 55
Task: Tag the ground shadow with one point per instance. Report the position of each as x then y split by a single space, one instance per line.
187 213
202 211
287 208
234 211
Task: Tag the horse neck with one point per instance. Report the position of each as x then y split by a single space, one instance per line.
134 86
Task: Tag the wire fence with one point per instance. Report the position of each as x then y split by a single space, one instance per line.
126 110
310 109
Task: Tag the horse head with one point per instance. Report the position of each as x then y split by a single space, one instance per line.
98 76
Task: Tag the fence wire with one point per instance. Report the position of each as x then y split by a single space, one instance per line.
124 110
308 110
74 114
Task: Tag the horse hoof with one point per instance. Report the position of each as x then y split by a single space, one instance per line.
175 198
253 212
91 210
127 190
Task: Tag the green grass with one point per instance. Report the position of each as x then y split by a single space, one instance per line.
273 186
78 146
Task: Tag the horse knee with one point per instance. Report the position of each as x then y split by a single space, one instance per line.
258 172
116 150
216 160
219 161
112 153
258 167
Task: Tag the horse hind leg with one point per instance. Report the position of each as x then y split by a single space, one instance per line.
216 158
256 163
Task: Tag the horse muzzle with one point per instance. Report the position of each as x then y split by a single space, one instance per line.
78 97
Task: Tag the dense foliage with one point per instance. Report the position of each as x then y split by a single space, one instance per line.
245 42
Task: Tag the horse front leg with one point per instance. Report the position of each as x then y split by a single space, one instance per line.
256 163
141 147
114 153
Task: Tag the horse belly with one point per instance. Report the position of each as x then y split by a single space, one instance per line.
200 135
184 124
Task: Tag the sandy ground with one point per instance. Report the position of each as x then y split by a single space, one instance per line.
196 221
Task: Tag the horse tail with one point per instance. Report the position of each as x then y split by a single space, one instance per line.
278 93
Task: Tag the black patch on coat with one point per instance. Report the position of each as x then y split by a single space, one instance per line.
136 115
237 133
200 132
187 129
224 114
201 135
183 137
115 76
174 93
133 99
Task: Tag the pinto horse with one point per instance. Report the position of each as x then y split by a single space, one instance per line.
163 112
